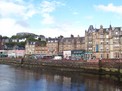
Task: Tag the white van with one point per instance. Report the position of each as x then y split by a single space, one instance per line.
57 58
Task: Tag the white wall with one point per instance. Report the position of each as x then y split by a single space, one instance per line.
66 54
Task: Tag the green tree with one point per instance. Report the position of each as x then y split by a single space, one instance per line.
31 38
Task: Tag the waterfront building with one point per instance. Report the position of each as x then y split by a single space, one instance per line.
52 46
77 54
40 49
71 43
36 48
43 50
116 42
89 42
80 43
67 54
15 53
56 46
12 53
3 53
97 43
30 47
103 42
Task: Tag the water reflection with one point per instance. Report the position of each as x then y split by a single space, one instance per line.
18 79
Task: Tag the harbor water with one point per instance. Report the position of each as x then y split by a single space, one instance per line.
23 79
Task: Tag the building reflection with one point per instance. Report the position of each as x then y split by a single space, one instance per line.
18 79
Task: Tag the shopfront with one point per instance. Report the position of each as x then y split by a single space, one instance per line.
77 54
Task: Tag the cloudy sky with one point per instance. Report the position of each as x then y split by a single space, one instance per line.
57 17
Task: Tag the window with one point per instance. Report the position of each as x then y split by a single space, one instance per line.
116 32
101 55
90 42
116 45
97 48
90 48
101 41
101 47
107 49
94 48
101 36
106 36
117 37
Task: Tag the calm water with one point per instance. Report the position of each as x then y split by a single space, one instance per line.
18 79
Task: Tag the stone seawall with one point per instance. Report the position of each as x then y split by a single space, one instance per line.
111 67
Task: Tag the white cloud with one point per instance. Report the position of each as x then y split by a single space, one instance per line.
63 29
16 13
18 8
46 9
30 11
7 8
9 27
110 8
48 19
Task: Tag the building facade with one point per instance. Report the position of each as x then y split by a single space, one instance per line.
103 42
30 48
42 50
71 43
52 46
56 46
97 43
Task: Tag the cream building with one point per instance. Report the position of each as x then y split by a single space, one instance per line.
52 46
30 48
104 42
71 43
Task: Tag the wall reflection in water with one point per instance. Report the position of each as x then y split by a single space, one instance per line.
19 79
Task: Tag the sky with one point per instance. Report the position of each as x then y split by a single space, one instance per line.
53 18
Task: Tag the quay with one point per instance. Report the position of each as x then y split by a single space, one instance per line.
102 67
